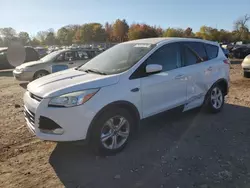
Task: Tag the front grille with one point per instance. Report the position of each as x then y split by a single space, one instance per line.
37 98
29 115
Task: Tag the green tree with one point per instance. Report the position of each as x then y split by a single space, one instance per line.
65 35
120 30
139 31
91 32
172 32
24 38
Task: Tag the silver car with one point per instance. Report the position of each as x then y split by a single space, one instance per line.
53 62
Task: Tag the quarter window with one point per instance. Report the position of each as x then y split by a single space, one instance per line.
212 51
166 56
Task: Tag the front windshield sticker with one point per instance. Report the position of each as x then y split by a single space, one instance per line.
142 46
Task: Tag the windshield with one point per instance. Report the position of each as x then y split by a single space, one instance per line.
50 56
118 58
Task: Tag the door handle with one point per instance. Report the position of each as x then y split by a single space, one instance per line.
180 76
209 69
71 62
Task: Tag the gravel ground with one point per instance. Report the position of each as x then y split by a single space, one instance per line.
193 149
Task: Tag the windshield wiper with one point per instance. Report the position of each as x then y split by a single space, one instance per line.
94 71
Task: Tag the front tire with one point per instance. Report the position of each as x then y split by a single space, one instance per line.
215 99
40 74
111 132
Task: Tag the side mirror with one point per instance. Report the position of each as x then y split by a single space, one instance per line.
153 68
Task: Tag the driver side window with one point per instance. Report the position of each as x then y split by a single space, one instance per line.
168 56
60 58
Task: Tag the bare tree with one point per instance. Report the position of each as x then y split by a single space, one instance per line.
240 26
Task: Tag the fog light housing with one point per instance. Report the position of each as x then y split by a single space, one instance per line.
55 131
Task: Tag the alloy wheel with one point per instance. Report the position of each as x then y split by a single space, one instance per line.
115 132
216 98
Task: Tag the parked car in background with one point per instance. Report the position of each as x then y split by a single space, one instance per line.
41 51
53 62
240 52
104 100
226 52
30 55
246 66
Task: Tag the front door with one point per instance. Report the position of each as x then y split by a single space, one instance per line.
167 89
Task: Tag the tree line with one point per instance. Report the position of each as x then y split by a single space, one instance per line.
120 31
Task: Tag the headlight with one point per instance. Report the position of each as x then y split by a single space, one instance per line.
73 99
19 69
25 69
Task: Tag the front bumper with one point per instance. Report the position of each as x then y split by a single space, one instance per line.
23 76
73 122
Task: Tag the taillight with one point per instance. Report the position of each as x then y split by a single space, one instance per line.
226 61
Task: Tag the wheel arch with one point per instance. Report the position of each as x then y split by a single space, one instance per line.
40 70
223 83
131 108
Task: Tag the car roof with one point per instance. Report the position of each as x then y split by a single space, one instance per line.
169 39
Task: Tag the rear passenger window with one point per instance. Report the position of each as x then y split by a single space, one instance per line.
167 56
212 51
189 57
199 48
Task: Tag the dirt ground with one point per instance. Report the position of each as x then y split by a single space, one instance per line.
194 149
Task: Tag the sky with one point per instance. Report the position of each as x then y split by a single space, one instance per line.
33 15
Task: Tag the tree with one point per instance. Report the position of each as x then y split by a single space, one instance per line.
7 34
189 32
24 38
50 38
120 30
41 36
172 32
35 42
66 35
241 28
91 32
139 31
208 33
109 32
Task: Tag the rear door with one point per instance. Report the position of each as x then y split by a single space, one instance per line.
193 58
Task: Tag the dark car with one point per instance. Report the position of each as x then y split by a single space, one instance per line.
31 55
226 52
240 52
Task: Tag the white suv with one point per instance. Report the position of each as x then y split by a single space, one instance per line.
104 100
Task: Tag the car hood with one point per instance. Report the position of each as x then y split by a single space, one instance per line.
30 64
69 81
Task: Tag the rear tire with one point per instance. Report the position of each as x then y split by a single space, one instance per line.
215 99
246 74
40 74
106 136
